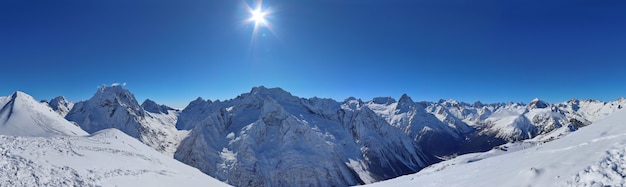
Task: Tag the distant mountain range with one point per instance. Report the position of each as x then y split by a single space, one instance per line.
268 137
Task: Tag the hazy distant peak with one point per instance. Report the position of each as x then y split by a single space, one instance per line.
275 92
383 100
478 104
537 103
349 99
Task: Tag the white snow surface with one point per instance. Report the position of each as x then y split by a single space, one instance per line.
591 156
105 158
22 115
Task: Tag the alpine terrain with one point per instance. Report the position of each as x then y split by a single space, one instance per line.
38 147
269 137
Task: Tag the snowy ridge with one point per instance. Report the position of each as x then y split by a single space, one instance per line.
229 139
106 158
116 107
591 156
435 136
22 115
258 137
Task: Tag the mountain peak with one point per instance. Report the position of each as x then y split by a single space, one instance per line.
110 107
153 107
61 105
263 91
478 104
112 88
22 115
116 93
383 100
536 103
349 99
19 94
405 99
405 103
59 100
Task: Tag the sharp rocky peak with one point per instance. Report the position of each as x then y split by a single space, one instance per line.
116 93
405 103
113 97
59 99
60 105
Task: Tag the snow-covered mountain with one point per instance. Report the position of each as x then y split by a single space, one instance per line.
245 141
116 107
153 107
38 147
436 136
449 127
61 105
260 137
591 156
22 115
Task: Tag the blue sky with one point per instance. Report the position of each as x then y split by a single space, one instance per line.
175 51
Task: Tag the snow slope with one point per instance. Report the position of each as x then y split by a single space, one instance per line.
105 158
591 156
22 115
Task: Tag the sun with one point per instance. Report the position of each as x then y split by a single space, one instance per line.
257 16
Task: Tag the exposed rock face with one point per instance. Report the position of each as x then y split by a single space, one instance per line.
262 136
61 105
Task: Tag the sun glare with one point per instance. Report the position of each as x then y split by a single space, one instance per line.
257 16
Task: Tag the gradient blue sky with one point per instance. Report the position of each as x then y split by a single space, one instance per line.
175 51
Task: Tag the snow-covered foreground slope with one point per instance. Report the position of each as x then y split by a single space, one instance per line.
106 158
22 115
591 156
